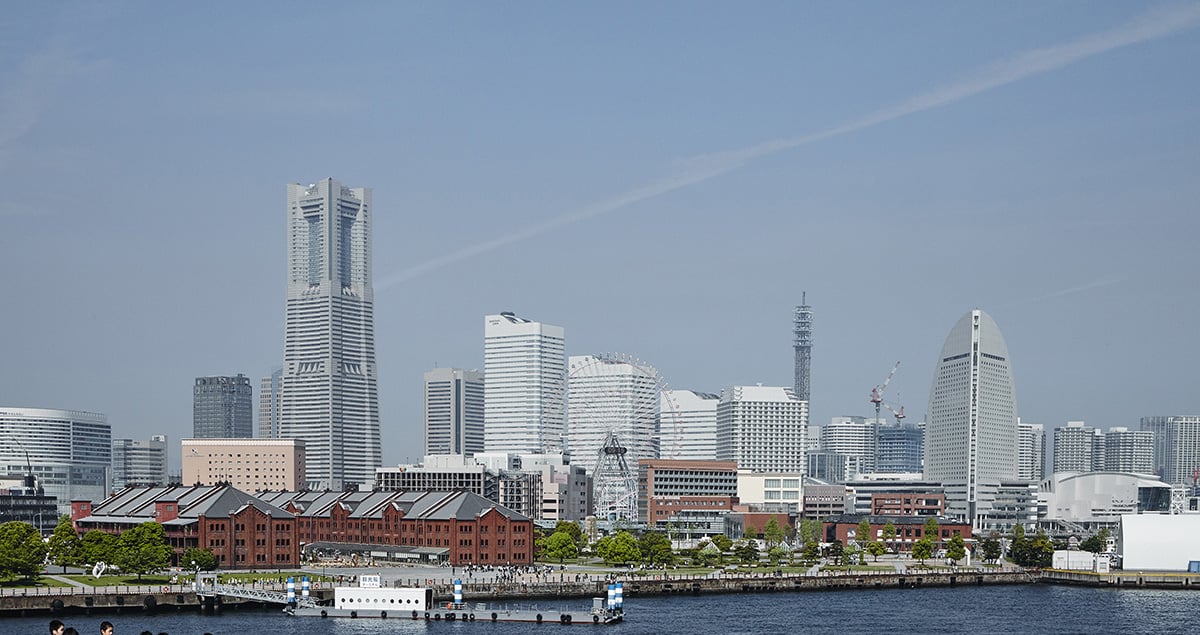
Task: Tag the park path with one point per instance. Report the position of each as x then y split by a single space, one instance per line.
65 580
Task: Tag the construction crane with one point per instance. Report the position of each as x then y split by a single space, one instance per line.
898 414
877 399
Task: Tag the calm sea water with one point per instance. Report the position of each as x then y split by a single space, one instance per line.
999 610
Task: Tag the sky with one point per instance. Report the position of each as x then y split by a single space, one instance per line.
663 180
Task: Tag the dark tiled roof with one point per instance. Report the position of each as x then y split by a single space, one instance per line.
461 505
137 503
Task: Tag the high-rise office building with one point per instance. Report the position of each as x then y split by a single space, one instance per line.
901 448
524 368
851 436
1078 448
268 405
971 430
695 425
1031 451
139 462
1176 447
222 407
453 411
1128 450
762 428
612 394
70 451
329 394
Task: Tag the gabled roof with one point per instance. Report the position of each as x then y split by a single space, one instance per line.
138 503
460 505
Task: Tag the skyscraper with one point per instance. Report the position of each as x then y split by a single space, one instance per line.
1031 451
268 405
329 396
222 408
695 415
70 451
1078 448
851 436
138 462
1128 450
453 411
524 379
762 428
971 431
612 394
901 447
1176 447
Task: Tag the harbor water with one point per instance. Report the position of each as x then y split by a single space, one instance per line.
1021 609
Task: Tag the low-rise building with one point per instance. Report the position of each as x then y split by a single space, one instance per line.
907 504
251 465
667 488
823 500
909 529
783 490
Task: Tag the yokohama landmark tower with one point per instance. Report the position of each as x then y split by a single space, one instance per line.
329 396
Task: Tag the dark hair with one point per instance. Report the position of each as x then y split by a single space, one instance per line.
70 630
105 624
55 625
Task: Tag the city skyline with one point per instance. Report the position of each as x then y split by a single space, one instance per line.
1061 132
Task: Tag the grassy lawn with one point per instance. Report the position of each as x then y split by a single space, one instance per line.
121 580
25 583
859 567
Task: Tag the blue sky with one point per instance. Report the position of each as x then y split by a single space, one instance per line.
642 175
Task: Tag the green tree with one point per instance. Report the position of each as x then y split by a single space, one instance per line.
1097 543
573 530
619 549
862 535
922 549
772 533
933 530
708 555
746 551
849 554
22 552
810 531
142 549
98 546
991 548
1018 549
205 559
812 551
776 554
956 549
835 550
889 533
656 548
65 549
876 549
750 532
1040 553
560 546
724 543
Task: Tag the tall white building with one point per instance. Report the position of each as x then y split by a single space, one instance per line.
971 430
70 451
851 436
1078 448
453 411
524 367
1176 447
610 394
268 405
1031 451
137 462
688 421
762 428
1128 450
329 394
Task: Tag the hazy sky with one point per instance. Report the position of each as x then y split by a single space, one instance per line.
661 180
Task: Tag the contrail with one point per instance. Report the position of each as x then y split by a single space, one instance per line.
1151 26
1095 284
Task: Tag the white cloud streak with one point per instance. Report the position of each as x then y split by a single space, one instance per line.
1150 26
1095 284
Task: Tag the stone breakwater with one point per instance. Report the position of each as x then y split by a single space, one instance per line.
178 598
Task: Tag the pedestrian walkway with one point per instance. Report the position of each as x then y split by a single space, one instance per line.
66 580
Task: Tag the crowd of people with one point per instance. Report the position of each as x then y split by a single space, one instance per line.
106 628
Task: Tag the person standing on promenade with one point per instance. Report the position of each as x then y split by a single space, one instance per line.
70 630
106 628
56 627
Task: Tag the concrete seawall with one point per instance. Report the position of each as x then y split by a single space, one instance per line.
1124 579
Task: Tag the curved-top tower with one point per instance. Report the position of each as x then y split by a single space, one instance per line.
971 430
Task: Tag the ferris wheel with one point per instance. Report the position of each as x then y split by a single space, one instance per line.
619 410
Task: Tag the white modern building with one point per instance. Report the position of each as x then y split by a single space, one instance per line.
268 405
1089 498
971 430
1176 447
329 394
851 436
1128 450
453 411
611 394
1158 542
688 423
761 428
1078 447
524 367
1031 451
139 462
777 490
70 451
